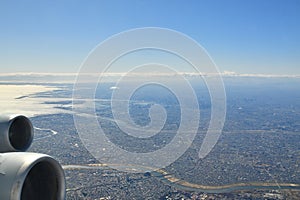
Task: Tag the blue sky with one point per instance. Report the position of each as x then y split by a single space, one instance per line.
243 36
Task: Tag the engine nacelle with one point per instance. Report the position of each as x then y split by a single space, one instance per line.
16 133
26 176
30 176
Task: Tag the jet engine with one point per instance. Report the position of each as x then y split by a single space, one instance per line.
26 176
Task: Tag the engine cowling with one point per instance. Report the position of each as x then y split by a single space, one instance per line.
16 133
26 176
30 176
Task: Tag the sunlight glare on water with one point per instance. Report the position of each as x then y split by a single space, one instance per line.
21 99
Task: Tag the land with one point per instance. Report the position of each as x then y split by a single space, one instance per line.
259 147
